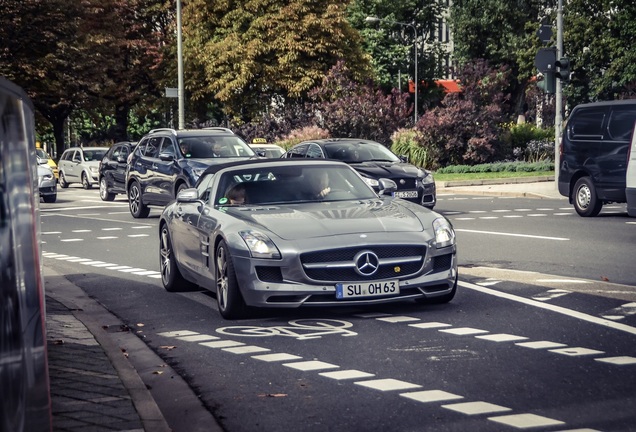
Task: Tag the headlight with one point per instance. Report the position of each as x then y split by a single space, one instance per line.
444 233
260 245
425 176
196 172
371 182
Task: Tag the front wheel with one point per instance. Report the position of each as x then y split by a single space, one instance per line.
62 181
49 198
171 277
137 208
86 184
228 294
586 202
103 191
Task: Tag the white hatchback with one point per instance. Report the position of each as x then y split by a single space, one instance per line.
80 165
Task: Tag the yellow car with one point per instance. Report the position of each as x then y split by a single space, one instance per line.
41 154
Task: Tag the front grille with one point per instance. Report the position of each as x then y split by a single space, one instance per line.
395 269
409 183
442 263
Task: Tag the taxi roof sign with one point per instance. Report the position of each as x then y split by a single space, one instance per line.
259 141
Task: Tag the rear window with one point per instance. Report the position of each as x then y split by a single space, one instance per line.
621 122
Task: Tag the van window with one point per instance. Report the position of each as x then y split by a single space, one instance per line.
586 123
621 122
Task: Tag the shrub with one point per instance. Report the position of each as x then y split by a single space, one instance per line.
517 166
299 135
406 142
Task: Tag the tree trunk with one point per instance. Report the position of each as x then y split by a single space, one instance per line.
121 122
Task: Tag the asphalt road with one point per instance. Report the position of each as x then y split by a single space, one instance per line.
523 346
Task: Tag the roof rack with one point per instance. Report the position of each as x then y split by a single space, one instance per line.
222 129
174 132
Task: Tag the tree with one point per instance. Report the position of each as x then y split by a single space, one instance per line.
391 45
244 53
503 33
598 38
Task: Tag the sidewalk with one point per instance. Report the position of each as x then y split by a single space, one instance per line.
103 377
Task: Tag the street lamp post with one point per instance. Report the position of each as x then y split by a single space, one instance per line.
180 89
373 19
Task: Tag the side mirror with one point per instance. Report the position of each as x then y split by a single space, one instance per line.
404 158
121 159
166 157
42 161
387 186
261 153
189 195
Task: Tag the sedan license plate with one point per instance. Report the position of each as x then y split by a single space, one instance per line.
367 289
405 194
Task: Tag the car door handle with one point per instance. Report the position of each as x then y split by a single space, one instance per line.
154 166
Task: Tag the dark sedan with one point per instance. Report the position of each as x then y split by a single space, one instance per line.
306 233
373 160
112 170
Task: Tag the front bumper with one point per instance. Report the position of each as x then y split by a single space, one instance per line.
284 283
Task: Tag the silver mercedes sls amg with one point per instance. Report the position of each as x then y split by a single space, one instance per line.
288 233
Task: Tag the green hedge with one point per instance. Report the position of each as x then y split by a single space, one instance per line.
499 167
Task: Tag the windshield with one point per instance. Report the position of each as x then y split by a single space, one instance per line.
203 147
359 152
41 153
291 185
94 155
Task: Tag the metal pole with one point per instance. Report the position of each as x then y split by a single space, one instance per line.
558 96
180 69
416 81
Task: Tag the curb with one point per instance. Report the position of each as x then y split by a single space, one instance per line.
488 182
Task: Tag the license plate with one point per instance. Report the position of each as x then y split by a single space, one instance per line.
367 289
405 194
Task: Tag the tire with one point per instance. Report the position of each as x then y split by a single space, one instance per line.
181 187
103 191
137 208
49 198
440 299
62 181
228 295
86 184
171 277
584 198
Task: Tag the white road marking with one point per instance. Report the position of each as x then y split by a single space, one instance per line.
130 270
81 231
429 325
92 262
72 240
107 238
387 384
537 215
576 281
397 319
551 307
110 266
276 357
248 349
501 337
488 217
120 267
513 216
51 232
473 408
431 396
525 421
463 331
112 229
621 360
512 234
540 344
78 260
577 351
221 344
141 227
197 338
310 365
346 374
137 235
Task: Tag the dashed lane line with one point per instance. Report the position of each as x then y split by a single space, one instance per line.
359 378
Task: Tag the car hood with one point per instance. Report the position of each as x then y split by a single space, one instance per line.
206 162
303 221
385 169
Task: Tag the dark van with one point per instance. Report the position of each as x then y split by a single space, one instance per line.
593 154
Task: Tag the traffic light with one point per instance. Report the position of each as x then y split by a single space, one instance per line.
547 82
564 69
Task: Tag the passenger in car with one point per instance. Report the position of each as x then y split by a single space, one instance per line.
237 194
316 185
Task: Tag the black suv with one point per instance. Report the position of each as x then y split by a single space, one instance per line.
112 170
167 160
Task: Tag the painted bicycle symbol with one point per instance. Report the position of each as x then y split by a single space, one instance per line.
301 329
